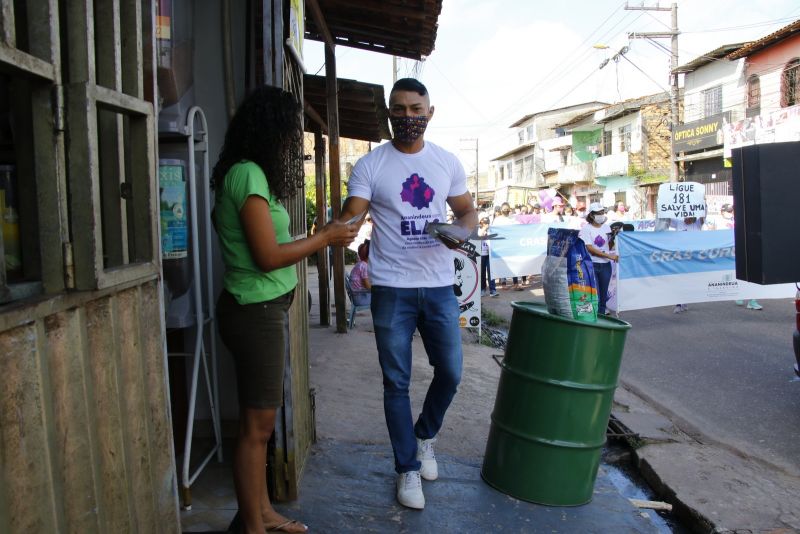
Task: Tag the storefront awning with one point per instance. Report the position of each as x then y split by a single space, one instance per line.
701 155
362 108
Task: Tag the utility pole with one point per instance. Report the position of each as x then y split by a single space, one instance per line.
477 183
394 69
673 93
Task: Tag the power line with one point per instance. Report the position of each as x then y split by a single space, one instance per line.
643 72
457 90
568 61
745 26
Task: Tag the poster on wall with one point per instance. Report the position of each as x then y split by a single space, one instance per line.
466 284
297 25
677 200
172 199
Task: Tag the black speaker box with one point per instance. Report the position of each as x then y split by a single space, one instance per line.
766 194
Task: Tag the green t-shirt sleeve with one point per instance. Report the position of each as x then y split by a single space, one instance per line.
246 180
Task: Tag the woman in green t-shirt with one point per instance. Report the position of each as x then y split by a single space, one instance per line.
261 165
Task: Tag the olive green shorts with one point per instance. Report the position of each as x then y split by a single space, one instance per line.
257 336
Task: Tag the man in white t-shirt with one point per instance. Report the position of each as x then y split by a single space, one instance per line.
406 184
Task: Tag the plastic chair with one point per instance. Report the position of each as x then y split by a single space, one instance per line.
351 294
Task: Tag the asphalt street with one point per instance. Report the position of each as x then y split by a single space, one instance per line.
725 370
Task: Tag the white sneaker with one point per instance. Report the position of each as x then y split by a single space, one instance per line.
409 490
429 470
753 305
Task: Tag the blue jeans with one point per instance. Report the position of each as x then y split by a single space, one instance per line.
603 273
486 274
396 313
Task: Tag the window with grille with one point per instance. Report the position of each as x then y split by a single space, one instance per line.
625 138
32 212
753 96
790 84
607 144
528 168
712 101
529 132
77 155
521 136
518 170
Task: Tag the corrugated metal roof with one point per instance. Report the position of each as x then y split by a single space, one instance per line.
397 27
514 150
631 105
766 41
705 59
362 107
557 110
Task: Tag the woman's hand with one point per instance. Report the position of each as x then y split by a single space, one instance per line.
339 234
613 257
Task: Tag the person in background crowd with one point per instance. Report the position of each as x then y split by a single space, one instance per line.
260 166
617 212
496 213
526 217
569 211
368 225
505 219
536 211
486 270
412 278
359 277
596 235
580 210
557 214
723 221
687 224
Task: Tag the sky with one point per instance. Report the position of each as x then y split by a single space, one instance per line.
497 61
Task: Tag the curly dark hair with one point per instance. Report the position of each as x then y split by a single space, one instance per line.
267 129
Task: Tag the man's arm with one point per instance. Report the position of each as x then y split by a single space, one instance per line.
466 216
354 206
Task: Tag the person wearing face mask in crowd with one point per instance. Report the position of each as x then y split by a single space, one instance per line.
596 235
687 224
404 185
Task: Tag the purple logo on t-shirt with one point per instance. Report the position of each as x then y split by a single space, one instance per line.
599 241
416 192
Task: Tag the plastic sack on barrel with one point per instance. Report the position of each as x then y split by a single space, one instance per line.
570 285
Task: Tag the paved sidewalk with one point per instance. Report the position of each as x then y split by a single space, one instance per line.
348 484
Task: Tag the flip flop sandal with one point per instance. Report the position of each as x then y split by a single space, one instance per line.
282 526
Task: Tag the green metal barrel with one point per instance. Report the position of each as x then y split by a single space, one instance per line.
553 402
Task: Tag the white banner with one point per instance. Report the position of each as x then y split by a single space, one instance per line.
667 268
